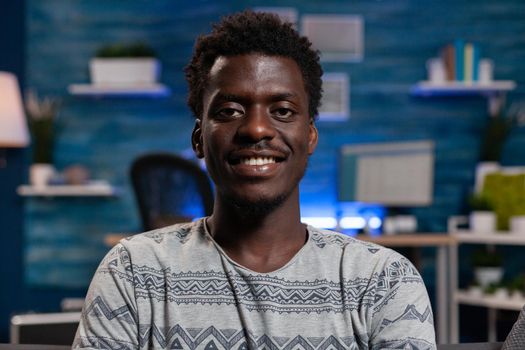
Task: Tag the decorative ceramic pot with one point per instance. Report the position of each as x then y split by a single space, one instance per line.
124 71
40 174
482 221
486 276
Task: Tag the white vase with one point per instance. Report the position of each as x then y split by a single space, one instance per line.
486 276
516 295
124 71
475 291
517 224
502 293
40 174
482 221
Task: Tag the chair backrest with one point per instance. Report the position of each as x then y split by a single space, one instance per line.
169 189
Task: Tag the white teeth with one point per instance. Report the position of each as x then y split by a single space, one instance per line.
258 160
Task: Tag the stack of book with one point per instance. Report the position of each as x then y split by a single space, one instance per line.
461 61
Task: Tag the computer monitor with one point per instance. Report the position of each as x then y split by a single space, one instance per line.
394 174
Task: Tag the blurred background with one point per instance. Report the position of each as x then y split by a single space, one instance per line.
50 245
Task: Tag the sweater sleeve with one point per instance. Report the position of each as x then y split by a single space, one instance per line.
109 317
402 316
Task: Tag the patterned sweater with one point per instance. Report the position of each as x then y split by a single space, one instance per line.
175 288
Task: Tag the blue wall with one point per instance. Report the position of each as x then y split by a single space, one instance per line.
15 295
64 236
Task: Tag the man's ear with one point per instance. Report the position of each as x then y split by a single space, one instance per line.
196 139
312 137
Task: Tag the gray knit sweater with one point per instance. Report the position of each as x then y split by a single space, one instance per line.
175 288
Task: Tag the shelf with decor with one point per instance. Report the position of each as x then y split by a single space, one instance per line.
479 297
495 91
459 70
429 88
123 70
489 301
495 238
97 90
91 189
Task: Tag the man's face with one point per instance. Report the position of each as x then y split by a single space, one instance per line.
255 132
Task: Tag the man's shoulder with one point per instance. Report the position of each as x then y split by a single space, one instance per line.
325 238
355 252
173 235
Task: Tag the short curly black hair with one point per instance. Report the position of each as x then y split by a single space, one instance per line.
253 32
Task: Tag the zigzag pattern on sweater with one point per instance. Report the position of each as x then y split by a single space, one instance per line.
263 292
411 313
99 308
211 338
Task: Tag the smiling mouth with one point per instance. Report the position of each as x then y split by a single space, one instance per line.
257 160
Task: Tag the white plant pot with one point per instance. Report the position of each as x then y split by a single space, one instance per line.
40 174
517 224
501 293
516 295
482 221
124 71
486 276
475 291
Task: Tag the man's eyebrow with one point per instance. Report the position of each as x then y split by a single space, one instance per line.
228 97
283 96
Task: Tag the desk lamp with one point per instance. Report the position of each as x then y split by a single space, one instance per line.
13 126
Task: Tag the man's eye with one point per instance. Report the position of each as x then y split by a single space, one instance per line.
229 113
283 113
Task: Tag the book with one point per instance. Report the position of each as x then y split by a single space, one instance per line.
468 57
475 62
448 56
459 49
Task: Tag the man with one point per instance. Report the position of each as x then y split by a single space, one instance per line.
252 276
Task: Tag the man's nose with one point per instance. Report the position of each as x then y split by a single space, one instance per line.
256 125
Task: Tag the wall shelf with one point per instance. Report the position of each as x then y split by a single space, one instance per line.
459 296
495 91
93 90
489 301
428 88
500 237
94 189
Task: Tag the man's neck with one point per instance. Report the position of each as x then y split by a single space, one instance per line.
263 242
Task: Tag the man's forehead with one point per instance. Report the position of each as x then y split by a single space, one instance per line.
260 63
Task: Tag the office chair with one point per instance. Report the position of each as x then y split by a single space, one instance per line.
169 189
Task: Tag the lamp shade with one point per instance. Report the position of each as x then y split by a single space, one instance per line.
13 125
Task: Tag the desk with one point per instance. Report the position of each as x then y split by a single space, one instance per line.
442 242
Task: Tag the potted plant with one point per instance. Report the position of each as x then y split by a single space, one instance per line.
482 218
498 129
125 65
42 114
494 137
487 267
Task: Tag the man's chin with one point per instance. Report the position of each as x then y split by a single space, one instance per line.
256 207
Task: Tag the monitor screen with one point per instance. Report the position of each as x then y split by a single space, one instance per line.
397 174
